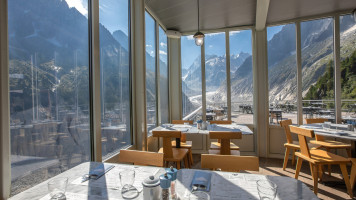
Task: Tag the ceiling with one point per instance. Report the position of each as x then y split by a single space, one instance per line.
181 15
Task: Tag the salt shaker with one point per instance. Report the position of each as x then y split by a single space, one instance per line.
165 183
173 172
151 189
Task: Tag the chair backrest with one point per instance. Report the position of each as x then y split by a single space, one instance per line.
225 137
314 121
285 124
302 134
182 121
220 122
167 138
229 163
141 158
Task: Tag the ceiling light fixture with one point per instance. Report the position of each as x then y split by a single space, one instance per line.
199 36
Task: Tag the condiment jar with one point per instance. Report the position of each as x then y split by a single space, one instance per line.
173 172
151 189
165 183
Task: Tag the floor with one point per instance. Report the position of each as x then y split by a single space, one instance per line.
332 187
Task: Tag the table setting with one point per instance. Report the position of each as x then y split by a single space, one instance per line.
121 181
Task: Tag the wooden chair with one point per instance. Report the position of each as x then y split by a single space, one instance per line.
217 145
317 158
225 137
141 158
183 140
229 163
182 121
290 145
328 144
172 154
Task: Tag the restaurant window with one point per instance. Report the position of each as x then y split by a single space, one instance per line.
348 68
318 69
282 73
241 77
151 110
191 79
215 76
163 79
114 75
49 89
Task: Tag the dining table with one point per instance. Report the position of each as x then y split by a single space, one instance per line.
223 185
192 131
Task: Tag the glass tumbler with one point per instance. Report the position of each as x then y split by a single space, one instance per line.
267 190
127 178
57 188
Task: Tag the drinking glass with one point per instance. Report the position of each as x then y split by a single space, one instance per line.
127 178
199 195
267 190
57 188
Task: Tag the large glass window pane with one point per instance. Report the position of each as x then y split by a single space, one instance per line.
215 76
49 89
191 79
318 69
241 77
150 71
115 75
163 71
348 68
282 73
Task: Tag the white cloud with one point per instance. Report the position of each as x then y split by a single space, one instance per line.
148 45
162 52
234 33
80 5
152 53
213 34
211 46
190 37
163 44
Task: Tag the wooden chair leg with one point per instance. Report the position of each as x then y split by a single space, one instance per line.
348 150
329 166
178 164
186 165
299 165
312 170
321 172
286 155
191 157
293 158
353 176
315 178
346 178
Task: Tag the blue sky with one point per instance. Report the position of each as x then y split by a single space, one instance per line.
113 13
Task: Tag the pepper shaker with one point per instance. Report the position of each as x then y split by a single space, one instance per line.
165 183
173 172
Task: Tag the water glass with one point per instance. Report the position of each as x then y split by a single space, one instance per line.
199 195
127 178
57 188
267 190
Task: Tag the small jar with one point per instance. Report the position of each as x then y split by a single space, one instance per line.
173 172
165 183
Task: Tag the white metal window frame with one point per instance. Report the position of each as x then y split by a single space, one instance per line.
158 24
